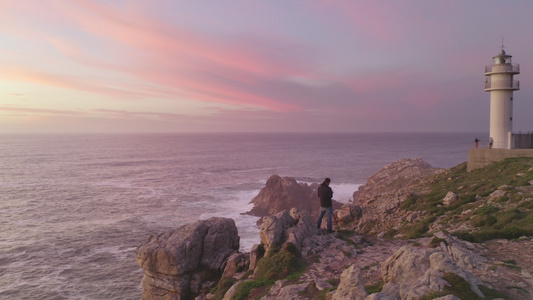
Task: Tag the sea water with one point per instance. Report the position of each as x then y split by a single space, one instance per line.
74 207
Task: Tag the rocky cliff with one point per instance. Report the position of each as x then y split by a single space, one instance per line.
379 201
284 193
395 243
182 262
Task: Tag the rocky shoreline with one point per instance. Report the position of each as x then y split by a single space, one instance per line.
371 255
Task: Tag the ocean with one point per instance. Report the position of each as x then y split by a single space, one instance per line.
74 207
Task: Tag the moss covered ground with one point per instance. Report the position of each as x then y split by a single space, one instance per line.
507 216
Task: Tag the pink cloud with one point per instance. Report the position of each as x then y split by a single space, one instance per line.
191 66
41 110
70 82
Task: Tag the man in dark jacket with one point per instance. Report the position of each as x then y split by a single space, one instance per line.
325 193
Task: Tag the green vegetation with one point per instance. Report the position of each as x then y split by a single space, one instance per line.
459 287
511 263
260 288
520 289
435 242
413 231
280 264
491 293
374 288
286 264
222 287
322 294
509 216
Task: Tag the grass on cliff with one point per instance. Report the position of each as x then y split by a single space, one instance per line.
286 263
509 216
459 287
222 287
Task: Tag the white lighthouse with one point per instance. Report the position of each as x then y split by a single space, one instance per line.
500 83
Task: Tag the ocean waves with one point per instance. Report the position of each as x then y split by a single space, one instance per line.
73 208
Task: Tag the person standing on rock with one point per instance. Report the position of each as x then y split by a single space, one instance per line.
325 193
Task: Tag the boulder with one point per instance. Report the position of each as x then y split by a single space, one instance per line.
351 285
287 227
172 260
273 228
322 284
450 198
413 272
305 227
497 194
349 212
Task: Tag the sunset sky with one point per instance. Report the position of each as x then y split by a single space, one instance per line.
276 65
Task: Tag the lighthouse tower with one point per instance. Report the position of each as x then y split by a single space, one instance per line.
500 84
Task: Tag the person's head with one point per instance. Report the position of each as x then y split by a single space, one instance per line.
327 181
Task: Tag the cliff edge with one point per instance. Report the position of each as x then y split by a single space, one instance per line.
411 232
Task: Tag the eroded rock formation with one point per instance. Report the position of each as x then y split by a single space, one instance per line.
177 262
187 261
376 205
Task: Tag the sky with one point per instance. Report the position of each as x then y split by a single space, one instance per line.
258 66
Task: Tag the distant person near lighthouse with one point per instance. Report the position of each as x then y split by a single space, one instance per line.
325 193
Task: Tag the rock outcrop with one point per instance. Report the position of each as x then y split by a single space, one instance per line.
287 227
351 285
348 264
408 269
376 204
177 262
413 272
284 193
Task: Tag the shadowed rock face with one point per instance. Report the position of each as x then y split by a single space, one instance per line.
284 193
172 260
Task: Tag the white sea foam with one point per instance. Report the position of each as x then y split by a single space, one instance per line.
234 208
239 203
343 192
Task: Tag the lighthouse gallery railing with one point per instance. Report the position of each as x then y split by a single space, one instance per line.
515 68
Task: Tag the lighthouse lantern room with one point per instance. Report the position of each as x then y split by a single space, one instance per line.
500 84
